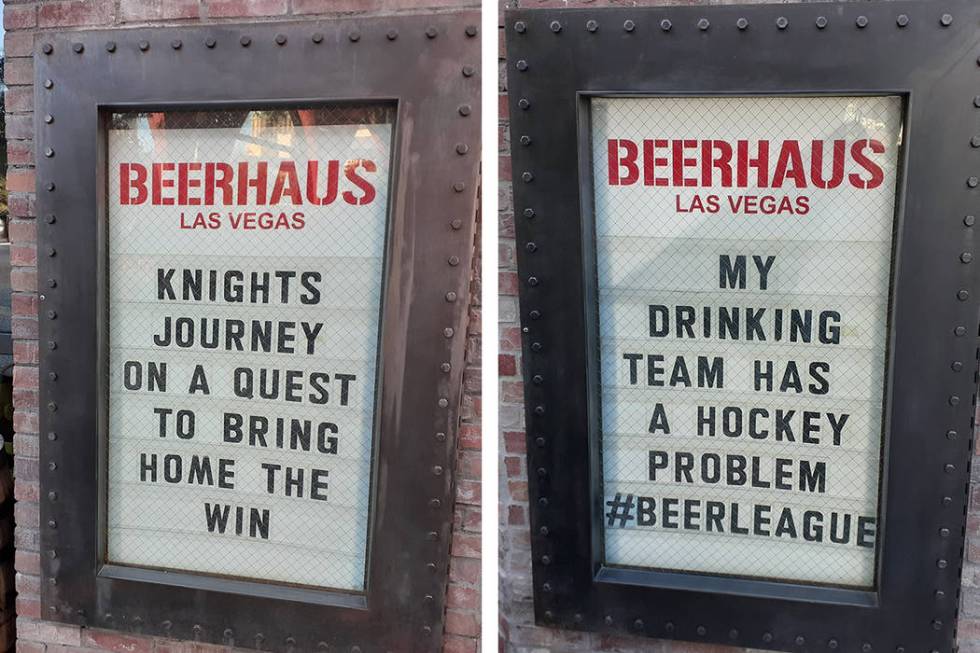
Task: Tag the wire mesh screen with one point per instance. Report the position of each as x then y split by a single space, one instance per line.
744 252
245 269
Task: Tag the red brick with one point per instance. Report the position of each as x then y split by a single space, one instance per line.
106 640
139 10
19 17
516 515
26 444
20 127
18 44
465 598
506 365
27 562
454 644
470 436
28 607
20 153
73 13
25 377
20 205
23 231
23 255
19 98
234 8
20 180
464 570
24 328
25 352
466 545
19 70
468 492
25 421
52 633
462 623
24 279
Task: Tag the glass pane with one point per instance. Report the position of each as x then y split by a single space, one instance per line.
744 250
246 252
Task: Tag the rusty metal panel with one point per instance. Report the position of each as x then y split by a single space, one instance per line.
922 55
426 66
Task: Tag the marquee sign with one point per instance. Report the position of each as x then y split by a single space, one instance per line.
750 318
253 305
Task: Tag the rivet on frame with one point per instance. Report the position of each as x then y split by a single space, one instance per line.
167 625
110 46
976 100
957 366
520 27
448 332
536 346
947 501
446 367
549 615
702 631
902 20
525 140
966 257
742 23
462 148
456 225
176 44
245 41
960 331
471 30
954 400
782 22
555 26
669 626
949 468
800 640
638 624
539 410
525 104
354 36
280 39
431 32
453 261
546 587
951 435
52 436
943 532
51 218
666 25
592 26
973 182
52 406
52 345
427 630
542 472
53 376
440 437
48 119
533 281
450 296
52 554
434 503
48 84
821 24
527 177
465 109
543 531
317 37
969 220
48 152
537 379
629 26
975 141
940 595
963 295
392 34
468 71
531 247
546 560
767 637
52 283
540 442
946 20
228 633
861 22
47 48
866 647
50 186
528 213
52 465
704 24
210 42
832 644
608 620
521 65
443 403
52 496
733 633
144 46
437 470
78 48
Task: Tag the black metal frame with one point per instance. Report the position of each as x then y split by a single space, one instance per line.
923 50
427 65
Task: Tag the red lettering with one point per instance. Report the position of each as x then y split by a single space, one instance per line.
877 174
350 171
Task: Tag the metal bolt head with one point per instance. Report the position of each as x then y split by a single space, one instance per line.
48 119
949 468
629 26
456 225
782 22
450 296
941 563
459 187
954 400
638 624
947 501
521 65
52 283
471 30
546 560
48 152
951 435
943 532
52 496
592 26
702 631
431 32
531 247
539 410
527 177
176 44
861 22
446 367
946 20
448 332
733 633
49 186
529 213
537 379
960 331
832 644
963 295
525 140
110 46
973 182
866 647
453 261
520 27
437 470
52 376
608 620
902 20
767 637
976 100
957 366
704 24
245 41
742 23
317 37
462 148
975 141
443 403
525 104
821 24
392 34
555 26
465 109
52 436
144 46
210 42
533 281
536 346
468 71
440 437
354 36
966 257
47 48
78 48
800 640
969 220
48 84
666 25
540 442
280 39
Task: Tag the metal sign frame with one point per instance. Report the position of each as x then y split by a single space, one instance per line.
428 65
926 51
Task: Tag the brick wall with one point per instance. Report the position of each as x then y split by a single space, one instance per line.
518 632
23 20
